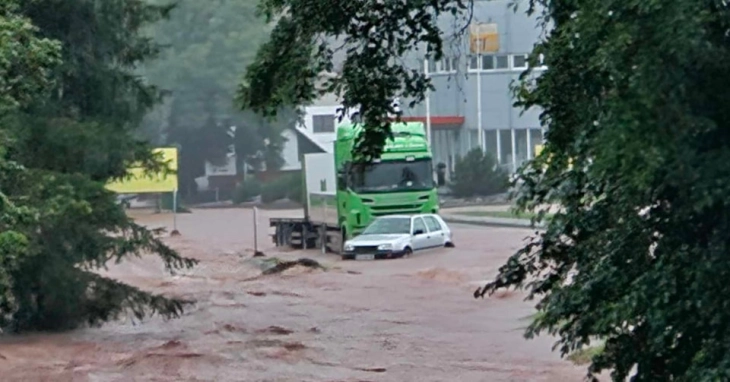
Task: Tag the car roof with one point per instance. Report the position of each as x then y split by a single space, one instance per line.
403 216
399 216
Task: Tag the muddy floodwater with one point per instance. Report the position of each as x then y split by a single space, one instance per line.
393 320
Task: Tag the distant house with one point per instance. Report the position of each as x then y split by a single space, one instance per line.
315 133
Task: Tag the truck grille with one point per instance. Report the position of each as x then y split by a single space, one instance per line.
396 209
366 249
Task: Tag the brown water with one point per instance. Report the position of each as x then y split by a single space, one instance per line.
399 320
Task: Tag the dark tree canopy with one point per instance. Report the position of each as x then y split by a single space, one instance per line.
637 156
26 59
59 224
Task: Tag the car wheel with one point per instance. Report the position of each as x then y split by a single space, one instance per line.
449 244
407 252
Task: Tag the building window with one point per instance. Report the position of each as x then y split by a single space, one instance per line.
445 65
519 61
502 62
473 62
431 65
487 62
324 123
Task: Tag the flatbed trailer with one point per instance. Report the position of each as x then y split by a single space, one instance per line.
319 228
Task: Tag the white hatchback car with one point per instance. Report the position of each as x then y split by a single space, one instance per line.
397 236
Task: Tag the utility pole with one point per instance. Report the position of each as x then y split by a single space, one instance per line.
428 104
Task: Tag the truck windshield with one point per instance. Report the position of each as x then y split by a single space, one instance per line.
392 176
389 226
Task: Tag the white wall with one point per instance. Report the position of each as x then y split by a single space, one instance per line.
324 139
290 153
326 105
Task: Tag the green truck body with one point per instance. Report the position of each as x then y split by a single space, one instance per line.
400 182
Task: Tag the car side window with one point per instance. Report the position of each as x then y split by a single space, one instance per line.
432 223
418 224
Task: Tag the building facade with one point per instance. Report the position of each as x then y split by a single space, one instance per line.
463 80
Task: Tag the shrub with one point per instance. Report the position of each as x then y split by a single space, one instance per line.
478 174
247 190
287 186
295 184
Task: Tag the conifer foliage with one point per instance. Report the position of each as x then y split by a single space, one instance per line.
66 130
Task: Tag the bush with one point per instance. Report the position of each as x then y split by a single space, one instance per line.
296 187
247 190
287 186
478 174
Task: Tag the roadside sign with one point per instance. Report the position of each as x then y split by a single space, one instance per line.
483 38
140 183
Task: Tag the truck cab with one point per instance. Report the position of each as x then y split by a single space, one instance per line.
400 182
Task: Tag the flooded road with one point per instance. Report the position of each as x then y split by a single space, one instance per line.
394 320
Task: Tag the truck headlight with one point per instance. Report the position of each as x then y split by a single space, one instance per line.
349 247
385 246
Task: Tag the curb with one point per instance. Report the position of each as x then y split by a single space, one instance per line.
492 222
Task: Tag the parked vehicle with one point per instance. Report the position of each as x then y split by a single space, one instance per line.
397 236
343 197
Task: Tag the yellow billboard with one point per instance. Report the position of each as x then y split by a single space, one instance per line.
139 182
483 38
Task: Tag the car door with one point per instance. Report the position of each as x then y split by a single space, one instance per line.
437 237
420 236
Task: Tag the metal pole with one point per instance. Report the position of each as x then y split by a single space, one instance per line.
529 143
479 96
514 150
323 237
498 133
174 209
174 232
255 230
428 104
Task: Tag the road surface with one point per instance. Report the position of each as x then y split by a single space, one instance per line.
394 320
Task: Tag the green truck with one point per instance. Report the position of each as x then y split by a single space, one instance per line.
343 197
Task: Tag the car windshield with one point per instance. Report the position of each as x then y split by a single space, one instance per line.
392 176
389 226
